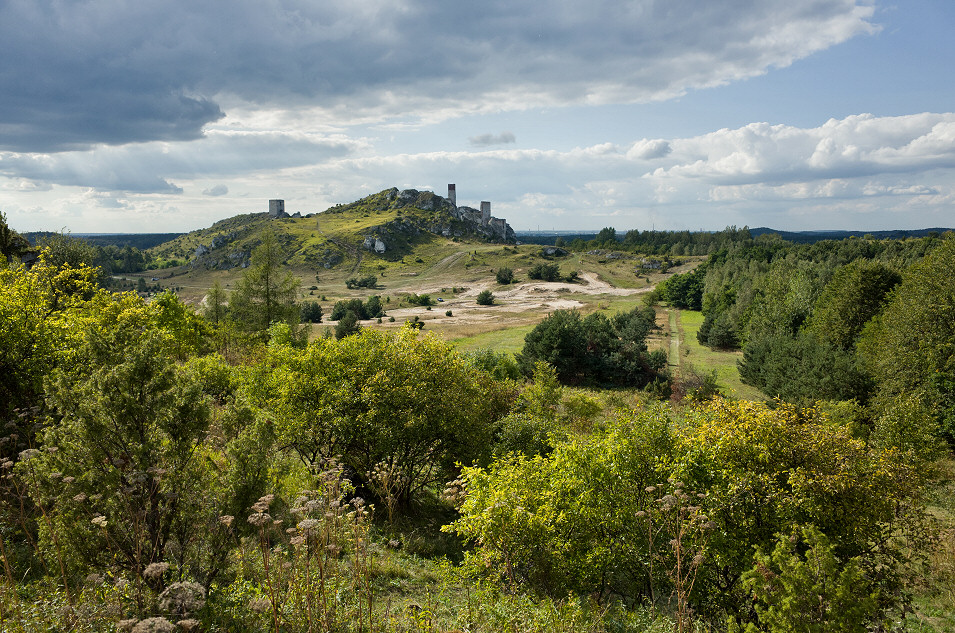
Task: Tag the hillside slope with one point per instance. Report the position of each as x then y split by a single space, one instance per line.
386 225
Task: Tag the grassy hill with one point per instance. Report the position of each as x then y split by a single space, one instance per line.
385 227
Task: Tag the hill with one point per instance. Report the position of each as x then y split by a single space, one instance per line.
811 237
387 225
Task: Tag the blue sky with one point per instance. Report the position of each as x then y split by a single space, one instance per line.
669 114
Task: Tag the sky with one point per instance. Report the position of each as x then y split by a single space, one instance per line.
166 116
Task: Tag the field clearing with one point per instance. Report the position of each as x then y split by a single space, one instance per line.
704 360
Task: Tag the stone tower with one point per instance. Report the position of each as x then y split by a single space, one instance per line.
485 212
452 195
276 208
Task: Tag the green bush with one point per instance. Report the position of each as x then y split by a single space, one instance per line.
545 272
485 298
369 281
311 312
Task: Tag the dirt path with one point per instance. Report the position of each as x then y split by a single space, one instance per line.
673 359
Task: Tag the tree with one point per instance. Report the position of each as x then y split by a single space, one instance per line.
312 312
214 304
129 423
544 272
817 594
685 291
803 370
407 404
910 347
485 298
594 350
504 275
607 237
12 244
347 325
265 294
856 293
43 311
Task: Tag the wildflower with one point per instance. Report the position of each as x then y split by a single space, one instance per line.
260 519
307 525
260 605
154 571
263 504
28 454
188 625
183 598
154 625
99 520
226 520
80 498
123 626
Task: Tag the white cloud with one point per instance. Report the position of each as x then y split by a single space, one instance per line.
854 147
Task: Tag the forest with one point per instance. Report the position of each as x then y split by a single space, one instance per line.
171 468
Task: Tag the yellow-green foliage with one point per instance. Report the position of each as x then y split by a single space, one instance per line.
568 522
609 512
398 401
42 313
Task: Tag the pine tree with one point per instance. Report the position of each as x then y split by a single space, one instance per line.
265 294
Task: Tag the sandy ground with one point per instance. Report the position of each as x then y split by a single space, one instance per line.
511 302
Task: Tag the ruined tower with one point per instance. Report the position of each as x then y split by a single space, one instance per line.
452 195
276 208
485 212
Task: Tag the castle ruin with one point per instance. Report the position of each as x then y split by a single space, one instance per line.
277 209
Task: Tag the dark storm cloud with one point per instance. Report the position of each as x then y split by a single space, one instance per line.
76 74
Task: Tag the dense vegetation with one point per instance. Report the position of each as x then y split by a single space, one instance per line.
164 470
862 320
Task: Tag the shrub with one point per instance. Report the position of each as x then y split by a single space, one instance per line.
347 325
594 350
545 272
421 407
505 275
485 298
420 300
345 306
311 312
448 313
369 281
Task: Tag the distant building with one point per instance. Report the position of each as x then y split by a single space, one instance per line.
277 209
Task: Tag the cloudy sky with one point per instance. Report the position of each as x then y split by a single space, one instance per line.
157 116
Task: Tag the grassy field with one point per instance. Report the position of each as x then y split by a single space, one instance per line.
704 360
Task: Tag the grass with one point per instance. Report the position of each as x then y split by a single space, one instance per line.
704 360
505 340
